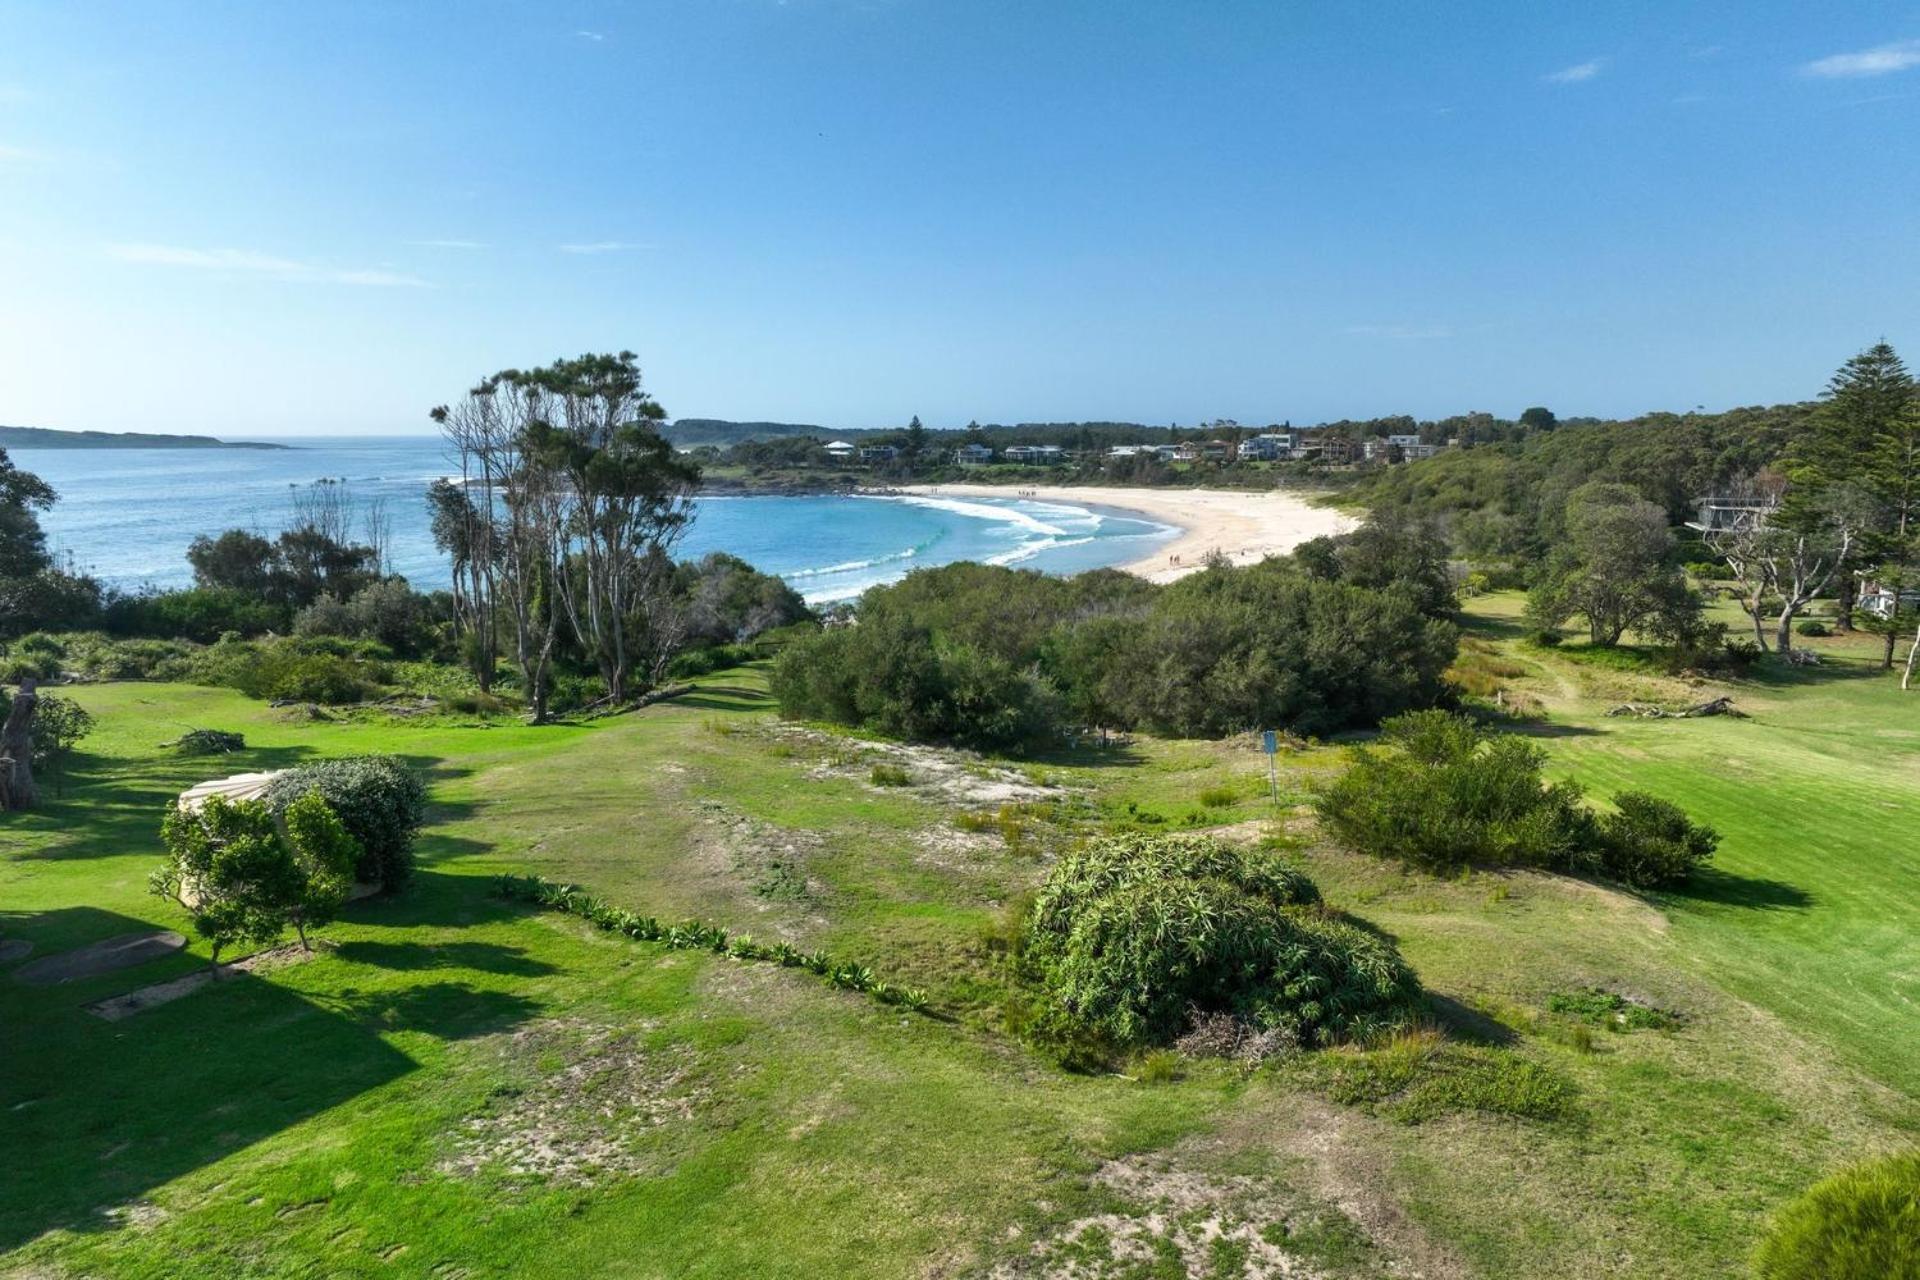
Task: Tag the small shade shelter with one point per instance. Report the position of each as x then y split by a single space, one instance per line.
241 786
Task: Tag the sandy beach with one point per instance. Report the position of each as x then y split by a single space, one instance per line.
1243 526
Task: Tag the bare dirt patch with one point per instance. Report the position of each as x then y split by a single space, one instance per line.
772 861
1169 1218
115 1008
582 1104
955 777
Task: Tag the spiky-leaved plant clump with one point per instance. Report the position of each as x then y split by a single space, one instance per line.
1859 1224
1132 932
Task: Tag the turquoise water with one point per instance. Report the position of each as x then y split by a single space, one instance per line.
127 515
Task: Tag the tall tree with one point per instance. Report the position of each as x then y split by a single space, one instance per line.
1862 435
1615 569
23 545
916 442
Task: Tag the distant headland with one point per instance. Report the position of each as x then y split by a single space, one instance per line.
47 438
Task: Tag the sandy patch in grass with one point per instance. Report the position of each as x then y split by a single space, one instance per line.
959 778
1168 1218
115 1008
580 1106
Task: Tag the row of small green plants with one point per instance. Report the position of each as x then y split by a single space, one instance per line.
694 935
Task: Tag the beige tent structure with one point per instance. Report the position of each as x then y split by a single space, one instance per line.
241 786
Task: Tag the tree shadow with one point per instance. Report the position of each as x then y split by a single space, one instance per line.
1464 1022
1729 889
485 957
722 697
1548 729
94 1115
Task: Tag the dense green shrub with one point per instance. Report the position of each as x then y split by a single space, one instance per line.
301 669
388 612
1447 795
999 658
95 654
379 799
1132 934
889 674
1860 1224
1444 794
201 614
1814 627
1651 843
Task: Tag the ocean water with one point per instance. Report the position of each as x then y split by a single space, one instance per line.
126 516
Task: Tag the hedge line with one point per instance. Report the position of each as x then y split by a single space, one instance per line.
692 935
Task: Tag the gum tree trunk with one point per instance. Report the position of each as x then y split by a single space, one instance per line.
16 750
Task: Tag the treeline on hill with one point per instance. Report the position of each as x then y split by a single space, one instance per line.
1349 631
1774 507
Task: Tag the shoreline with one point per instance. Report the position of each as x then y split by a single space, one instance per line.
1244 526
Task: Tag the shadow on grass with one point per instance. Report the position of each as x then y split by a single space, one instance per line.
1729 889
722 697
95 1115
1464 1022
485 957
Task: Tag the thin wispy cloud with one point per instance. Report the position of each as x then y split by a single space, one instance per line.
1578 72
449 244
1706 51
602 246
17 155
1882 60
594 36
248 262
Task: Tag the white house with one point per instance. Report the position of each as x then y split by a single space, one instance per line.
1036 454
840 450
973 455
1271 447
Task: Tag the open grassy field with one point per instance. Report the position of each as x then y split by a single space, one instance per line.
460 1087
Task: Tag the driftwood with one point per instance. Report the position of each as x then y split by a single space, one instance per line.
16 750
1713 707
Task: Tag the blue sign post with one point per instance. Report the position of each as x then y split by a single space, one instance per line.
1270 740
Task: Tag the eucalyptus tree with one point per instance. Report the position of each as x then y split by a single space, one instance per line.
573 504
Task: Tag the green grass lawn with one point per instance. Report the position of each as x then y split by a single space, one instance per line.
459 1087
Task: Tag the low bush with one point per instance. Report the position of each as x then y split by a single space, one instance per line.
1221 797
207 742
1650 843
1132 935
98 656
1860 1224
379 799
320 669
890 775
1599 1007
1444 795
1815 628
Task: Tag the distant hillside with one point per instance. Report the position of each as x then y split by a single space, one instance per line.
690 431
45 438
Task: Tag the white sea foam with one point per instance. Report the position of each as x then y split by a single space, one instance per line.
851 566
977 511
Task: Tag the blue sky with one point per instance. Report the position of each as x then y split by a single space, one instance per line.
258 219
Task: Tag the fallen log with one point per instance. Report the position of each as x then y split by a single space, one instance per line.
1712 707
